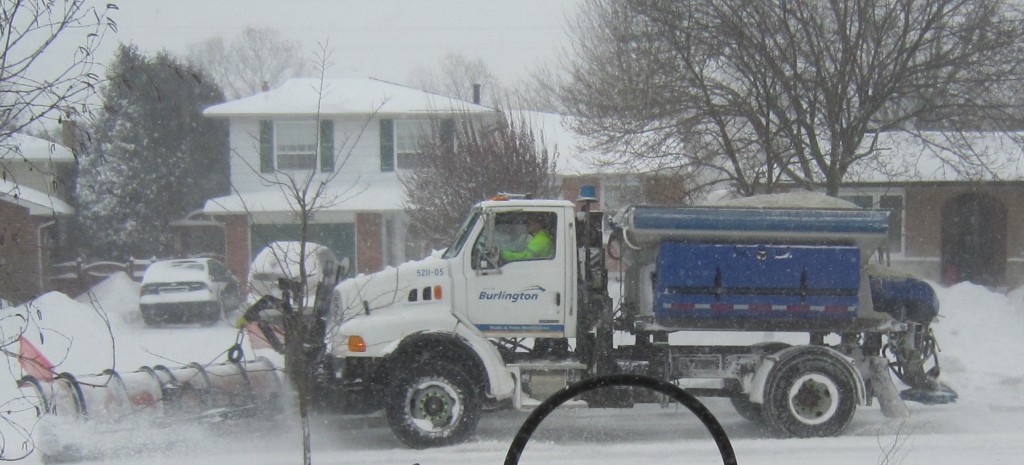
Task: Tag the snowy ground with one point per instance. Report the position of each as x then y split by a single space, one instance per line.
980 334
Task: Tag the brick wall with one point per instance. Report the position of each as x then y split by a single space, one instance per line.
571 186
923 226
237 250
369 242
19 253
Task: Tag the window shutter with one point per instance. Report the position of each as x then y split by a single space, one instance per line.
387 145
266 146
448 132
327 146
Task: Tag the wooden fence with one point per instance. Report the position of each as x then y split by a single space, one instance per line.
76 277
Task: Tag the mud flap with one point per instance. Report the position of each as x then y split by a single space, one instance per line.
884 388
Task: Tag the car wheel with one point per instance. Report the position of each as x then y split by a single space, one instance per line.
432 405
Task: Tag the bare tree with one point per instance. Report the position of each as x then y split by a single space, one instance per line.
304 317
756 93
455 77
461 166
242 66
46 63
35 87
540 91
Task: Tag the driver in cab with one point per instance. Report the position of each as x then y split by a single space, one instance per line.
538 243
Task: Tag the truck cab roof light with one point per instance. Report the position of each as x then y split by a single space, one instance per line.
356 344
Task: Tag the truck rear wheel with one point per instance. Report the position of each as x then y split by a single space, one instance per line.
809 396
433 405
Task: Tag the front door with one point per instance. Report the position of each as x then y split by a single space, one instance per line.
974 239
524 295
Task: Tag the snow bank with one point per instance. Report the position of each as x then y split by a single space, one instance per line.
979 334
117 295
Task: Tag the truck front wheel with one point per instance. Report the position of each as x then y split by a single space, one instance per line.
747 409
809 396
433 405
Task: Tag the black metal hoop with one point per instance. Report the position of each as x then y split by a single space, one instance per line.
706 417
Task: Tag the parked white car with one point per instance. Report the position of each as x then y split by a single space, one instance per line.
280 260
193 290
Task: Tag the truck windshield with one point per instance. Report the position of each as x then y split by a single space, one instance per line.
463 235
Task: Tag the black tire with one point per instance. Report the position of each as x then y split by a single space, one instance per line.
210 316
432 405
748 410
151 319
809 395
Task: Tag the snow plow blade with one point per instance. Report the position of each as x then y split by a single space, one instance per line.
227 389
940 395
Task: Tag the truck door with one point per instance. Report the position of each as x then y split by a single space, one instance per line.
523 294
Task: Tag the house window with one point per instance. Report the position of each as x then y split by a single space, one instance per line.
400 140
408 134
888 201
295 145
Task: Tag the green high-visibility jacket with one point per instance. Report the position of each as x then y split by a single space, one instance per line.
539 246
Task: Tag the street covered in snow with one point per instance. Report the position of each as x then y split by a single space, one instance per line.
978 332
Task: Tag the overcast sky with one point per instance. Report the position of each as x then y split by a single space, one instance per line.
388 39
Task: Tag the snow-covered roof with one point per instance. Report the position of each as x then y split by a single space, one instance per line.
302 96
349 198
935 156
899 156
20 146
38 203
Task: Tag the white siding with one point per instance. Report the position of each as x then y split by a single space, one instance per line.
356 147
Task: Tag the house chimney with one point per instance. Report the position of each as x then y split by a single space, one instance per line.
476 94
265 87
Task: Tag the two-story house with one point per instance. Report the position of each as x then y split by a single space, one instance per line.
32 187
343 142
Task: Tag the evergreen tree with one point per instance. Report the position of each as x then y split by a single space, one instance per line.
154 157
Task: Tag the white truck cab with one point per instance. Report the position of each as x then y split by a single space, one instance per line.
442 310
530 297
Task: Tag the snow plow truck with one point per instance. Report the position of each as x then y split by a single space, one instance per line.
435 343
